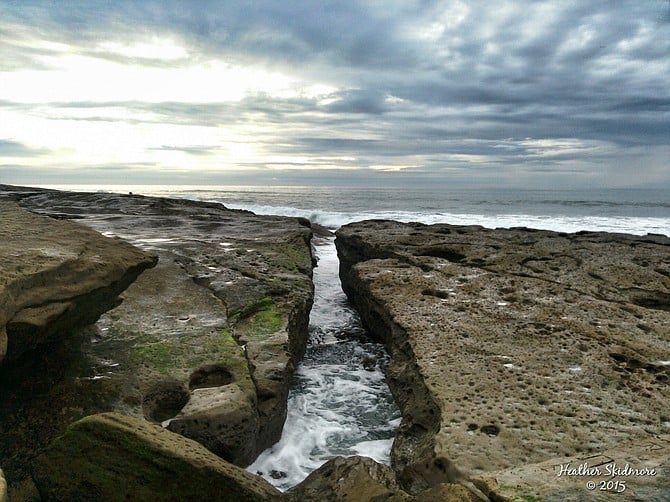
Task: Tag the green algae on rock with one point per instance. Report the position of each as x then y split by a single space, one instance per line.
111 457
204 343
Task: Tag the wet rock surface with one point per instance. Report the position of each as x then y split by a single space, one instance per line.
204 343
140 461
514 347
56 276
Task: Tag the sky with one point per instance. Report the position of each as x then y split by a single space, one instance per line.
526 94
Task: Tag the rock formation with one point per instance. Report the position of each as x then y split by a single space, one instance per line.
56 276
3 487
361 479
513 352
636 469
204 343
353 479
114 457
513 347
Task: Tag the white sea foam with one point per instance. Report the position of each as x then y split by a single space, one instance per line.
334 219
339 403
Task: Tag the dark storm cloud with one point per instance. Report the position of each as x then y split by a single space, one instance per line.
425 78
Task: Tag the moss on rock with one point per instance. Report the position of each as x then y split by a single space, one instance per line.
111 457
260 319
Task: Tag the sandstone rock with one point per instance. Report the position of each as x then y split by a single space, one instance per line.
634 470
56 275
512 347
352 479
223 418
445 492
204 343
3 487
109 457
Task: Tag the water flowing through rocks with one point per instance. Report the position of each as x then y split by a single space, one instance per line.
339 403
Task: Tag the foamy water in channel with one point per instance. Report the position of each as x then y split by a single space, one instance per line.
339 402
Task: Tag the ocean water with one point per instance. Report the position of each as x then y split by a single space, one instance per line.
339 403
637 211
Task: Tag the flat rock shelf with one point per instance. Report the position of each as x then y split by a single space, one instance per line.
513 347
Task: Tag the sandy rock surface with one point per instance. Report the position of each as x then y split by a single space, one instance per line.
204 343
361 479
513 347
636 469
355 479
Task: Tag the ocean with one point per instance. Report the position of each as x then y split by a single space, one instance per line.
636 211
339 403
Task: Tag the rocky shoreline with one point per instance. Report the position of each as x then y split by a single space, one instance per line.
204 343
517 347
516 355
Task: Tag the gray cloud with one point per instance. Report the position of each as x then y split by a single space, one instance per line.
191 150
10 148
429 79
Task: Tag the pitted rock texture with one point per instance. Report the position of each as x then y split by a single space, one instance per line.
633 470
513 347
56 276
204 343
109 457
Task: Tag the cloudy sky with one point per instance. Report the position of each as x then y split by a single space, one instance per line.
506 93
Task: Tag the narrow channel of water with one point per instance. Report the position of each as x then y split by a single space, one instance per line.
339 402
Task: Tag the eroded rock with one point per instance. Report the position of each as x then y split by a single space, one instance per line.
512 347
55 276
355 479
114 457
634 470
223 418
190 344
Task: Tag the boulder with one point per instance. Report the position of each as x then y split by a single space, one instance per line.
112 457
512 346
57 275
361 479
354 479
